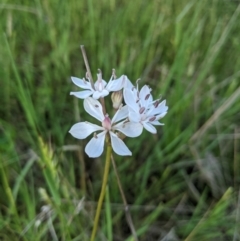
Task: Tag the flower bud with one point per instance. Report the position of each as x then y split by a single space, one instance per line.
117 99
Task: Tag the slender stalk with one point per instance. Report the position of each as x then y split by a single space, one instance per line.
87 65
126 207
103 105
102 194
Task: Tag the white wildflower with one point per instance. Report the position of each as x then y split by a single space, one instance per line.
95 146
142 108
101 88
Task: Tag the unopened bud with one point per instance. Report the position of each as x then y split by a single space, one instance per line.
117 99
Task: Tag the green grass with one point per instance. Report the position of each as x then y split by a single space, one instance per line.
181 184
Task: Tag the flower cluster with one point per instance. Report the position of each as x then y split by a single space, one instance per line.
140 111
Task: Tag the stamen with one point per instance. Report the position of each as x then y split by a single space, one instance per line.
87 75
126 121
160 97
156 103
137 82
142 109
152 118
114 74
147 96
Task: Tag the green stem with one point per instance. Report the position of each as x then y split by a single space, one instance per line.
102 194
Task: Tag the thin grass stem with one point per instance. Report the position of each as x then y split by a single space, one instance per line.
87 65
126 207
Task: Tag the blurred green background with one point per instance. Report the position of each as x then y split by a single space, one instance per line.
182 183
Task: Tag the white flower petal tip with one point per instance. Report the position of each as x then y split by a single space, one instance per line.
120 114
94 108
95 146
82 83
118 84
118 145
131 99
82 94
82 130
149 127
128 84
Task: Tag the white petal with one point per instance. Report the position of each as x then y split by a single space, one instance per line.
118 145
129 129
81 83
83 129
156 123
95 146
82 94
158 117
98 94
134 116
131 99
93 108
145 96
117 84
149 127
100 81
120 114
144 92
127 83
160 108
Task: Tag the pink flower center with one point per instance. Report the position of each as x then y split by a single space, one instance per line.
107 123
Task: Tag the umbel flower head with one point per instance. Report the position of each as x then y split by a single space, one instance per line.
95 146
140 112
